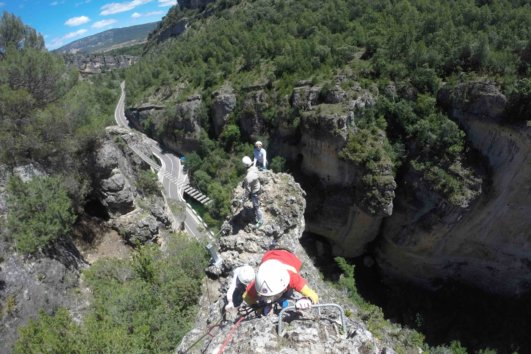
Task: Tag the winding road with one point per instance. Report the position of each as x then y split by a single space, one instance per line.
170 174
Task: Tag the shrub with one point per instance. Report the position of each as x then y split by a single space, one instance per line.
147 182
278 164
39 213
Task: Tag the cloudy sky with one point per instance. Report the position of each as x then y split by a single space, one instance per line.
64 21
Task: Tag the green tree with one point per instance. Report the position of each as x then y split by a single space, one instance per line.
39 213
15 34
47 334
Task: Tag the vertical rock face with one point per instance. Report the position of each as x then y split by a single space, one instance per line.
489 243
324 134
29 284
223 103
307 332
251 121
116 171
325 119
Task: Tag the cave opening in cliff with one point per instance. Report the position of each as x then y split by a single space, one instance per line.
93 207
453 312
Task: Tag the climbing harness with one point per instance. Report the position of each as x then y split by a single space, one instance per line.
318 306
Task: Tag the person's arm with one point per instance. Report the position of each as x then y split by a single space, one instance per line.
250 295
301 285
264 153
232 286
310 294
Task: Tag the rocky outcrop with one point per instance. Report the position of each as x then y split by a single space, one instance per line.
306 332
252 121
97 64
115 191
170 30
487 243
177 129
136 217
223 103
29 284
326 117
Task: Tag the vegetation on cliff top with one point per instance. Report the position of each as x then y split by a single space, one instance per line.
413 46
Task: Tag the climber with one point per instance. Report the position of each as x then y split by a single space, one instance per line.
277 277
241 277
260 156
252 188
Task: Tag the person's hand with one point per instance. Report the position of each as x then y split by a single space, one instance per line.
229 306
303 304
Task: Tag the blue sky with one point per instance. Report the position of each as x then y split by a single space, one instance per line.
63 21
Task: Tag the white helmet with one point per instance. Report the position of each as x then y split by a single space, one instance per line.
246 274
272 278
247 161
258 143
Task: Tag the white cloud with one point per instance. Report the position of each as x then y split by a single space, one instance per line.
103 23
117 7
77 21
147 14
164 3
74 34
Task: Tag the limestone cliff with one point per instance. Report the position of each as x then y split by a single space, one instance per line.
326 116
283 203
489 243
30 283
97 64
135 215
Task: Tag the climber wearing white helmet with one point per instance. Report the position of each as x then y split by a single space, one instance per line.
241 277
277 276
260 156
252 188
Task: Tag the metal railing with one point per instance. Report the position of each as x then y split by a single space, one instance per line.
318 306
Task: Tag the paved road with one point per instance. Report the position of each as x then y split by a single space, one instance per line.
170 174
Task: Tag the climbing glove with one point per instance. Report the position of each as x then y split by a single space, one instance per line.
303 304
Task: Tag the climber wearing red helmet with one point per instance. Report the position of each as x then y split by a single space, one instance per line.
278 275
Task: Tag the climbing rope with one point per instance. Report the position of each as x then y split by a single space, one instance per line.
229 336
244 315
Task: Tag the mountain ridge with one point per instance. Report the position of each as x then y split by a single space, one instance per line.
110 39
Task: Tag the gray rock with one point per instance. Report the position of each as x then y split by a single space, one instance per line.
223 103
484 240
308 332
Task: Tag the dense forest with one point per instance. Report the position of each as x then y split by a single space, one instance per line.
417 46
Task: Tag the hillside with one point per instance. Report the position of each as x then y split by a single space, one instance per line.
111 39
405 122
